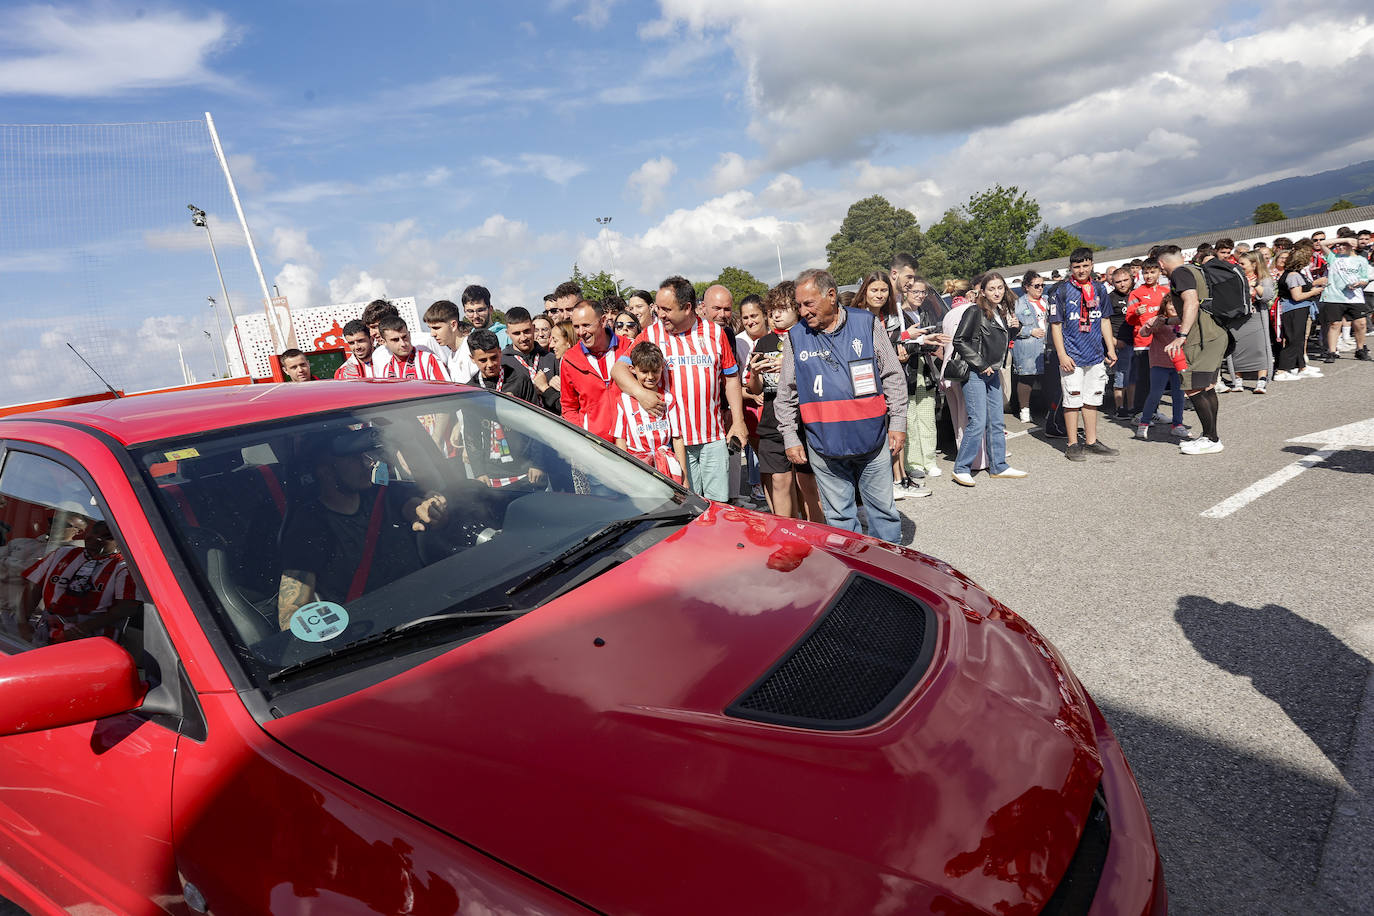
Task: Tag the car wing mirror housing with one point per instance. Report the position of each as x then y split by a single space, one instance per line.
66 684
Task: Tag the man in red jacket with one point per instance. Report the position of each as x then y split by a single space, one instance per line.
589 395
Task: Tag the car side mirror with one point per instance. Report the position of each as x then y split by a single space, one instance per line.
67 684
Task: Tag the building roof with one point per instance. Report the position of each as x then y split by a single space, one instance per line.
1300 226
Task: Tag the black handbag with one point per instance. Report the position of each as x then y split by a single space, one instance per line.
956 368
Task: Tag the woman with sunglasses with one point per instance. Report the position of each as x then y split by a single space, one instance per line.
626 325
1028 347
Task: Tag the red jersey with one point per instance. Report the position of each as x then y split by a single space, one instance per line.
1144 303
588 394
650 438
694 362
353 369
74 585
421 364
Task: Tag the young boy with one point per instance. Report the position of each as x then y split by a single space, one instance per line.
450 331
295 365
360 346
656 441
407 360
1144 303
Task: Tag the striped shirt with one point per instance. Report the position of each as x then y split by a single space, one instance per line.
353 369
644 433
421 364
694 362
73 584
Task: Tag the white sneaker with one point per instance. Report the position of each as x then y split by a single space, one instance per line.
899 490
1200 446
1221 387
1345 344
1010 473
1160 419
1142 432
933 471
1237 385
1309 372
964 480
1024 415
1283 375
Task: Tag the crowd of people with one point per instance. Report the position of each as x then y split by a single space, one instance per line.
814 401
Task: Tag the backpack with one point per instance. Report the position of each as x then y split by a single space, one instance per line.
1223 290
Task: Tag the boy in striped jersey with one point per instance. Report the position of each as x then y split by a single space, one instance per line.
699 359
408 360
656 441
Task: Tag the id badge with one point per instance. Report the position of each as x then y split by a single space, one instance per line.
863 378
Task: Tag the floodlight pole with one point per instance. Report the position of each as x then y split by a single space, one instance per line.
214 357
606 222
219 329
198 219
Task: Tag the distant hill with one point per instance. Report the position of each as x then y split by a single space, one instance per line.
1297 196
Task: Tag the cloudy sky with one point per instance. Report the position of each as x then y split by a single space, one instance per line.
408 149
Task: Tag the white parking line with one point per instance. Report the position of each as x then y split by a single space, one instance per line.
1272 482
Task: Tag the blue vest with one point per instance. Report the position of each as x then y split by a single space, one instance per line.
839 423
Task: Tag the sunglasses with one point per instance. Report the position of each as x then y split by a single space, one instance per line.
624 325
1037 286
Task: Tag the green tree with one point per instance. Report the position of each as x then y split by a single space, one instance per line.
740 283
1341 204
597 286
1269 212
1056 242
867 238
987 232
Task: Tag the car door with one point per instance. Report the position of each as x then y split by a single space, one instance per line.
85 810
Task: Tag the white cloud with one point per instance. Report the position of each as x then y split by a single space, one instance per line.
595 14
76 52
355 285
300 284
733 171
732 229
313 191
292 244
552 168
650 181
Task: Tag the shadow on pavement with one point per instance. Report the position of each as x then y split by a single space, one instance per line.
1317 679
1349 460
1214 807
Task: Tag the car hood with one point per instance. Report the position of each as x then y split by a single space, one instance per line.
586 744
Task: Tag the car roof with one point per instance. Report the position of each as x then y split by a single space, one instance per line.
151 417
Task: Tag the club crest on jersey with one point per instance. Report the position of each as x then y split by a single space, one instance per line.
858 346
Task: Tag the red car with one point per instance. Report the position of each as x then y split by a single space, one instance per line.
411 648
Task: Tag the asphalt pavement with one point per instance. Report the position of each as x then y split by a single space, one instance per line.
1231 655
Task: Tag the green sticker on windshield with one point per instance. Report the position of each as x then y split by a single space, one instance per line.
319 621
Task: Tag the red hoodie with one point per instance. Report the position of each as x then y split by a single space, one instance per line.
589 394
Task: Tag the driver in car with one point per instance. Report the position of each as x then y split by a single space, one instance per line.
359 531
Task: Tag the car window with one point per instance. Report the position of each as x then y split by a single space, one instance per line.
317 533
63 573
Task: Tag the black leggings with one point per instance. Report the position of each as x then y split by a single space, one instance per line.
1292 350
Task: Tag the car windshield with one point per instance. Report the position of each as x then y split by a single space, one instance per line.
316 538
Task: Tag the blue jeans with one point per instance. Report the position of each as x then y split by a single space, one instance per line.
708 470
836 479
983 401
1162 378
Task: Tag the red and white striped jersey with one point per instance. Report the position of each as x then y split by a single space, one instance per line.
693 364
74 584
353 369
642 431
422 364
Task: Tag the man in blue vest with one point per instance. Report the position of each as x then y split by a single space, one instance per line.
842 389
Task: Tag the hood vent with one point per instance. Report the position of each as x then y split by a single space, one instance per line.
852 668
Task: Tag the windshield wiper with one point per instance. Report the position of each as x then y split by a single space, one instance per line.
589 544
399 632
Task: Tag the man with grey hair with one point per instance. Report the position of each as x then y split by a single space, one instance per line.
842 382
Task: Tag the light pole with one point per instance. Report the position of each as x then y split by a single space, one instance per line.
214 358
605 221
219 329
198 219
